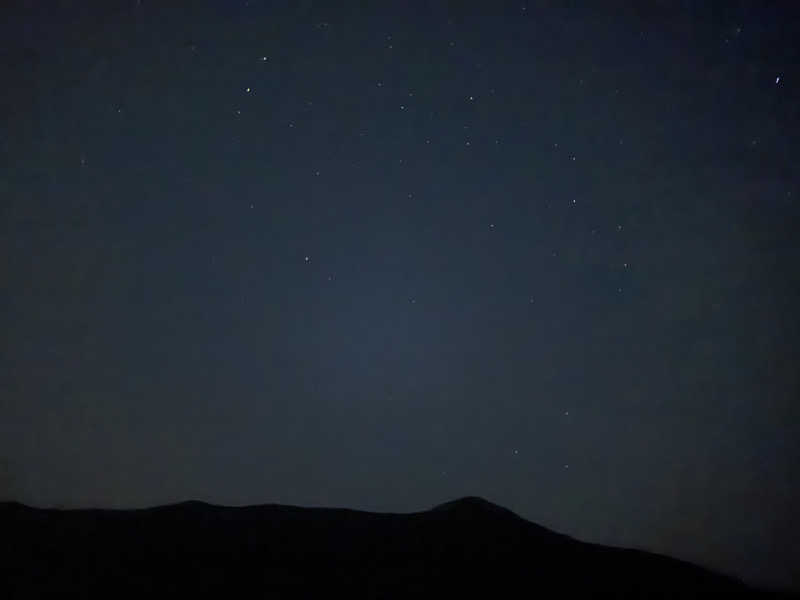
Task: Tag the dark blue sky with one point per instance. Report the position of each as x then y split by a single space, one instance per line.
387 255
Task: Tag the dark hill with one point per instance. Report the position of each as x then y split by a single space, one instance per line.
473 504
465 548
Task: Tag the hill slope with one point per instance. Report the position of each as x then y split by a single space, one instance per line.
465 548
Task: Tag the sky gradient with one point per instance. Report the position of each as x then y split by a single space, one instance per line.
383 255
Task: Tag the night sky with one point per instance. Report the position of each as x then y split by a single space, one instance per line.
383 255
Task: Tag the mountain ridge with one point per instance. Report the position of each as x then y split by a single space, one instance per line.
468 547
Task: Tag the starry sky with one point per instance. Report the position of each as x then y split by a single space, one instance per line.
382 255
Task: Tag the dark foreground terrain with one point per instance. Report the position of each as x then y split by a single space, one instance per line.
465 548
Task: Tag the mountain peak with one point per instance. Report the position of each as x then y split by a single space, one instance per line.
472 504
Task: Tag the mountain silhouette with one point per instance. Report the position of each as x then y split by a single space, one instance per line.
473 504
467 548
